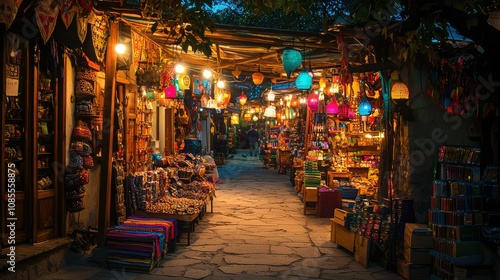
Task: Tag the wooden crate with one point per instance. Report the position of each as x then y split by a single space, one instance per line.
362 250
344 237
340 216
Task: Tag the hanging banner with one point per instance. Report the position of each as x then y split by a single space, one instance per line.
67 12
46 17
81 26
100 35
137 48
8 11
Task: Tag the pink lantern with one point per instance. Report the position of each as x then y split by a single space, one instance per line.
313 101
171 92
332 108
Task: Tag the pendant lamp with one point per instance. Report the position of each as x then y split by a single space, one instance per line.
333 107
243 99
365 108
312 100
304 80
171 92
399 90
291 59
270 112
257 77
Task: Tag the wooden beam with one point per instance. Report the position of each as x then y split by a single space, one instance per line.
107 135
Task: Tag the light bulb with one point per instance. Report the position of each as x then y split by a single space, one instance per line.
179 68
120 48
221 84
207 74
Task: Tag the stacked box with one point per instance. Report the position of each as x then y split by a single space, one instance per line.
418 242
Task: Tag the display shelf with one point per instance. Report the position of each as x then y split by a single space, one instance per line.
458 210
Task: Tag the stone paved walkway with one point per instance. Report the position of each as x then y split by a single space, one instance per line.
257 231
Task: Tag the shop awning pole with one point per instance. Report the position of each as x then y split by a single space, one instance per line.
107 134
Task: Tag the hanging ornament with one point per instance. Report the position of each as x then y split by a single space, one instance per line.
332 108
291 59
46 18
312 101
67 12
304 80
243 99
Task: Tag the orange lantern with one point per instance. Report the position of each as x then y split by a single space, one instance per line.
227 97
247 117
258 77
243 99
294 103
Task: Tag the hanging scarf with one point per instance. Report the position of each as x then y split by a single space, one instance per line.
100 36
81 25
46 18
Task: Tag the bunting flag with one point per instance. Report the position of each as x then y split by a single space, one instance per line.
67 12
81 25
8 11
46 17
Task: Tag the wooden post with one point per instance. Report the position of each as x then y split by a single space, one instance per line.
308 125
107 134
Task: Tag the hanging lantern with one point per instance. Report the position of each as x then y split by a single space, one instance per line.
270 112
334 88
312 101
332 108
399 90
304 80
270 95
365 108
255 118
227 97
171 92
247 117
243 99
322 83
291 59
294 103
184 81
161 100
235 120
257 77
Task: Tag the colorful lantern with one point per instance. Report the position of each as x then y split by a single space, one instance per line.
257 77
365 108
291 59
243 99
312 100
270 95
399 90
255 118
235 120
304 80
270 112
171 92
333 107
247 117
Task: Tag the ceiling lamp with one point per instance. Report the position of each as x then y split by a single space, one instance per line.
243 99
334 88
304 80
333 107
257 77
291 59
312 100
179 68
120 48
221 84
270 112
399 90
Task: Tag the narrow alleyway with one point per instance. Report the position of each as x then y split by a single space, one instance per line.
257 231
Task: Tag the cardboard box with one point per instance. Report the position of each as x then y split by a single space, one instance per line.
414 271
417 255
418 236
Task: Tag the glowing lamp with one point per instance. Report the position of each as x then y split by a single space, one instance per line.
304 80
171 92
322 83
365 108
120 48
247 117
255 118
243 99
270 96
235 120
332 108
291 59
270 112
257 77
312 100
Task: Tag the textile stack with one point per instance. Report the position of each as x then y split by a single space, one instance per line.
140 242
312 176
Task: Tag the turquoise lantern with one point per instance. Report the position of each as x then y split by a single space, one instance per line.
304 80
365 108
291 59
